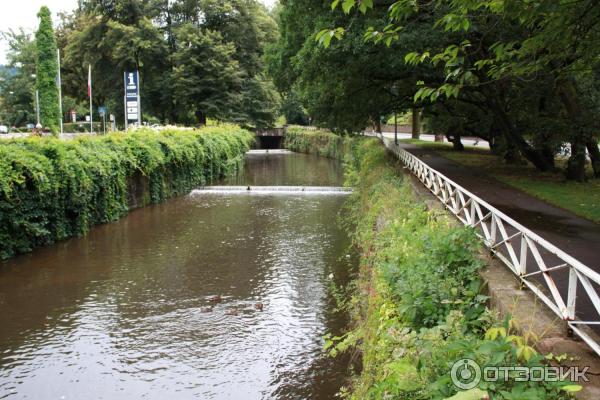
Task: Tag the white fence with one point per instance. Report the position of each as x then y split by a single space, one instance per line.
568 287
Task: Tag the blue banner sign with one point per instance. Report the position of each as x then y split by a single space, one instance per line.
132 96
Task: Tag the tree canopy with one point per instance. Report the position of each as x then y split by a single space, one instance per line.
197 59
522 75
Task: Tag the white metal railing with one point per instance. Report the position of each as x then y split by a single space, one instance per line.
536 262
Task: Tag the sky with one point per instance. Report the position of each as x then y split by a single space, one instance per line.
15 14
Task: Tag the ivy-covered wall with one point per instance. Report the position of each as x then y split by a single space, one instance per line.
51 190
321 142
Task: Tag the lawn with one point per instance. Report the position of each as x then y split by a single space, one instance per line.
582 199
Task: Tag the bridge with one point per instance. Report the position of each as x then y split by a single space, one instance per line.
271 138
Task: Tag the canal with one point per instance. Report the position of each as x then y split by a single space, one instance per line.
209 296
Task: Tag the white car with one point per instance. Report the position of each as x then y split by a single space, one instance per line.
3 129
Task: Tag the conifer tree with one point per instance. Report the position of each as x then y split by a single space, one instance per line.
47 71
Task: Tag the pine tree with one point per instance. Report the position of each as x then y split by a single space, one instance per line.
47 71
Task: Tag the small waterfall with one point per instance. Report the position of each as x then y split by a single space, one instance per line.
274 190
271 151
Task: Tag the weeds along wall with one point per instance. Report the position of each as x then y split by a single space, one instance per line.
51 190
321 142
416 304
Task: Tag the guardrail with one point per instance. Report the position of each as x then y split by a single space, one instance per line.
552 275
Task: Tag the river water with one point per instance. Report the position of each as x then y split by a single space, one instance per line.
205 296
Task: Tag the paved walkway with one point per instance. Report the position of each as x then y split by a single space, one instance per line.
576 236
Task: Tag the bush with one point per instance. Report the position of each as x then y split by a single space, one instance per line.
80 127
51 190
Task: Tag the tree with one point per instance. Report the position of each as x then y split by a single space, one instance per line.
260 102
292 109
152 35
497 54
352 83
16 84
207 81
47 72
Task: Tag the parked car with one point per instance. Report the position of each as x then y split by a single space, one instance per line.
3 129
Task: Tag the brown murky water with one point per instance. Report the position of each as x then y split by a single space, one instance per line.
127 312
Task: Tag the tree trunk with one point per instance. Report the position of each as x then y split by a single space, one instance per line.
201 117
416 123
454 138
592 148
513 136
576 164
511 154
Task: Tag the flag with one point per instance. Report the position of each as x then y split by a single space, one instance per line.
90 96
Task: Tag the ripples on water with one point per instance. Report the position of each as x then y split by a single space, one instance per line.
128 311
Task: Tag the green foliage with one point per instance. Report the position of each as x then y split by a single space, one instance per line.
418 307
292 109
51 190
521 75
16 84
315 141
47 72
197 59
206 77
350 84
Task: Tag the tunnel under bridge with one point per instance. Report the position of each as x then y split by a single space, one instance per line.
268 139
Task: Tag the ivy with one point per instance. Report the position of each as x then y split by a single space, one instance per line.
51 190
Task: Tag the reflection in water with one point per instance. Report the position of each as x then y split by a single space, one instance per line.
288 169
130 310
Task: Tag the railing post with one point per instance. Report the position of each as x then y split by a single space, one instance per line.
473 213
493 229
572 294
523 256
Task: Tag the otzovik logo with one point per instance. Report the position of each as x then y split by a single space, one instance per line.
466 374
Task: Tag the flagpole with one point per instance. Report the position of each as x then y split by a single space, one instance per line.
59 92
90 94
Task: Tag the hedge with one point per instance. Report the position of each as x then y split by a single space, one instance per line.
51 190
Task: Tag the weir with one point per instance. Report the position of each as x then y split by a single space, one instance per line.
274 190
